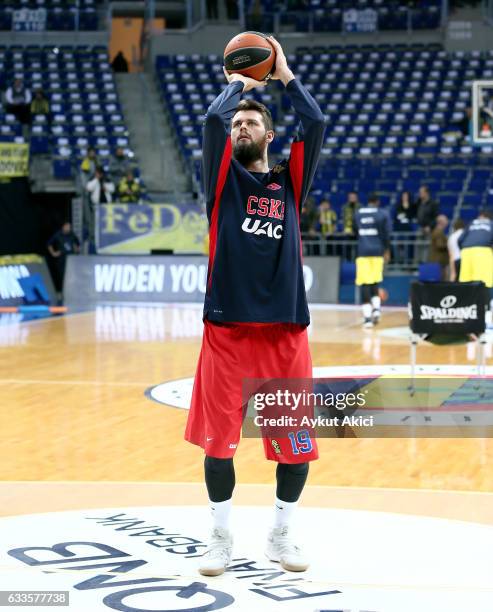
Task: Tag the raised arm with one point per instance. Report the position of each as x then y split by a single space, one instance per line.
216 144
305 149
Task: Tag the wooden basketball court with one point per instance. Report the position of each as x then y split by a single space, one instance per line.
78 430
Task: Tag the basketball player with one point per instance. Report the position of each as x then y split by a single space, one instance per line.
476 244
373 229
255 311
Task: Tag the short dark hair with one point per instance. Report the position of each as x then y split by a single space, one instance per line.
373 199
246 105
486 212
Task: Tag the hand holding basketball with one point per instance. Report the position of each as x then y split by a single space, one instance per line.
248 83
250 54
282 71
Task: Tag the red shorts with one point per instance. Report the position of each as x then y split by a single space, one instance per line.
230 353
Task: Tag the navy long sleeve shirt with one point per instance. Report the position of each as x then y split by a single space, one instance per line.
255 269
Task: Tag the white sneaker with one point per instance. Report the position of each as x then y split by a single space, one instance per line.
367 324
281 549
376 316
218 554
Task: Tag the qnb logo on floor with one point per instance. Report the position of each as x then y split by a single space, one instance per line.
262 228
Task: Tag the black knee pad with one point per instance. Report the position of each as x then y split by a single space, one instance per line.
291 478
296 469
219 478
217 466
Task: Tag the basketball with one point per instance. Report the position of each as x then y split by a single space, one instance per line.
250 54
383 294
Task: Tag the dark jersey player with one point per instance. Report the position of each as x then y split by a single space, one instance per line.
373 228
476 244
255 311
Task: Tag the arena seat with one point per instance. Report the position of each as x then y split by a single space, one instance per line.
388 109
84 106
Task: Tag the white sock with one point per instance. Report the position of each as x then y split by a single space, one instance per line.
220 513
283 512
367 311
376 302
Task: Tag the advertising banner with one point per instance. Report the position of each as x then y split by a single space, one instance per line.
447 308
137 229
15 267
97 279
29 20
14 159
360 20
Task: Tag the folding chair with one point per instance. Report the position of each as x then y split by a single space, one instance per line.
444 313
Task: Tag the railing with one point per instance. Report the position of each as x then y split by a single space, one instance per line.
407 251
350 23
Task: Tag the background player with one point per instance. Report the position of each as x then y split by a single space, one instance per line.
373 228
476 245
255 310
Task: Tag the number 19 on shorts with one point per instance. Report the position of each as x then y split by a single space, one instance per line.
300 441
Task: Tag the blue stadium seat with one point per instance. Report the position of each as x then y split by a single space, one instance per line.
62 168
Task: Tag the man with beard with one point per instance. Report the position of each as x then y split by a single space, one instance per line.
255 310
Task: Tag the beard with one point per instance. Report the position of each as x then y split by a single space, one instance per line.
247 152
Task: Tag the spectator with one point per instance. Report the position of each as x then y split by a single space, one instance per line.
18 100
119 165
89 165
427 212
212 9
439 248
454 250
255 17
64 242
119 63
99 188
100 191
232 9
327 218
405 213
465 124
129 188
308 222
348 213
40 105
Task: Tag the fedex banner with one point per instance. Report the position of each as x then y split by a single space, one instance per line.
95 279
138 229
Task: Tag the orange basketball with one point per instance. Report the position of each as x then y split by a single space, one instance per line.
250 54
383 294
